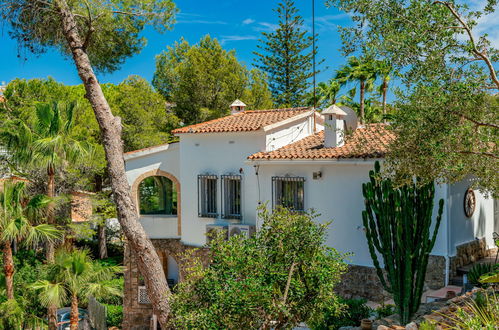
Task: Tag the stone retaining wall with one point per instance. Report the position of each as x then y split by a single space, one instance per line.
361 281
468 253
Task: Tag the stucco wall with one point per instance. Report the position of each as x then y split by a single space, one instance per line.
481 223
289 133
216 154
164 162
337 196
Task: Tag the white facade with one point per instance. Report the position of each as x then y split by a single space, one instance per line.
336 195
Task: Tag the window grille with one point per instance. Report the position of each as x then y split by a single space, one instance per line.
288 192
143 297
231 196
207 196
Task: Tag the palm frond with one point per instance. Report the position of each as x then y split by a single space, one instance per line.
50 293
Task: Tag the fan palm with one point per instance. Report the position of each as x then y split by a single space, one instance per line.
384 70
73 277
18 224
360 70
48 144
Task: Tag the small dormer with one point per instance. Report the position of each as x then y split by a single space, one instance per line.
237 106
334 126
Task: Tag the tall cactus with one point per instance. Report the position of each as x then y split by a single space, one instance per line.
397 222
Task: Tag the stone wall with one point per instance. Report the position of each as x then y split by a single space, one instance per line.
361 281
137 316
468 253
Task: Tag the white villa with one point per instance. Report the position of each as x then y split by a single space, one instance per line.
221 170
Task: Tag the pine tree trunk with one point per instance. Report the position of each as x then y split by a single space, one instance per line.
50 211
385 91
361 103
8 269
73 318
148 261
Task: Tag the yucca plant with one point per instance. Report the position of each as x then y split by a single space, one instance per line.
477 271
480 313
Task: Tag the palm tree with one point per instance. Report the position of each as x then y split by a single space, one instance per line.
18 224
326 94
358 70
384 69
73 277
48 144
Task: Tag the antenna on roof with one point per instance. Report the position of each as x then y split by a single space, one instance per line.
313 61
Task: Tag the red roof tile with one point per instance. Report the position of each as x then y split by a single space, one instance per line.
246 121
371 141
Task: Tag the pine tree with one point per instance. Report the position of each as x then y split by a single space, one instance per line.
286 57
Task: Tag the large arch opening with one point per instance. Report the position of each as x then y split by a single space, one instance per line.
157 195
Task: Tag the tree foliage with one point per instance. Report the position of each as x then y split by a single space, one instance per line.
285 273
36 26
203 79
100 35
448 121
286 56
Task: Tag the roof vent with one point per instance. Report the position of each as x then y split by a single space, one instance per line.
237 106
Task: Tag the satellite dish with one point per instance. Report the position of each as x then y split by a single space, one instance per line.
351 119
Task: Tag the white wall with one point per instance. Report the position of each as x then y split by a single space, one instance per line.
219 154
481 223
157 226
289 133
337 196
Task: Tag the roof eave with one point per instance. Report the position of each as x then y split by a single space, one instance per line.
342 161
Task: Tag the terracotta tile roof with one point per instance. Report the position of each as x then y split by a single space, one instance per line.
246 121
370 141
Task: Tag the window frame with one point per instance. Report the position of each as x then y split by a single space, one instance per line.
203 199
173 199
277 195
227 197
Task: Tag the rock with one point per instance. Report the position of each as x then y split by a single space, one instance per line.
383 327
411 326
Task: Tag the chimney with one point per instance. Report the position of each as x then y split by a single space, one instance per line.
237 106
334 126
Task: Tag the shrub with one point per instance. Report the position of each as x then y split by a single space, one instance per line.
284 273
354 310
385 310
112 299
477 271
114 315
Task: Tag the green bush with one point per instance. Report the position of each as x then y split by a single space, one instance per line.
114 315
477 271
111 299
354 311
384 311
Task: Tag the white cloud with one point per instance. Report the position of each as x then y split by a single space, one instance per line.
248 21
266 27
225 39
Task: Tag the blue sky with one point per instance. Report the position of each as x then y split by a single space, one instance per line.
237 25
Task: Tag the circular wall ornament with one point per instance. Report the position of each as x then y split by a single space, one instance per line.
469 202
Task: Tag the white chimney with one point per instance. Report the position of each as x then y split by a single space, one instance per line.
334 126
237 106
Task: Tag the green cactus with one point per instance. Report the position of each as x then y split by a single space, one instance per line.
398 222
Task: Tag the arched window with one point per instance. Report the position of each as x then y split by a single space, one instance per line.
157 195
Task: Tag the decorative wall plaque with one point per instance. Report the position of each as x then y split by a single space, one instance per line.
469 202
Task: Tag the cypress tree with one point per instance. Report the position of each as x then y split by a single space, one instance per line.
286 57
